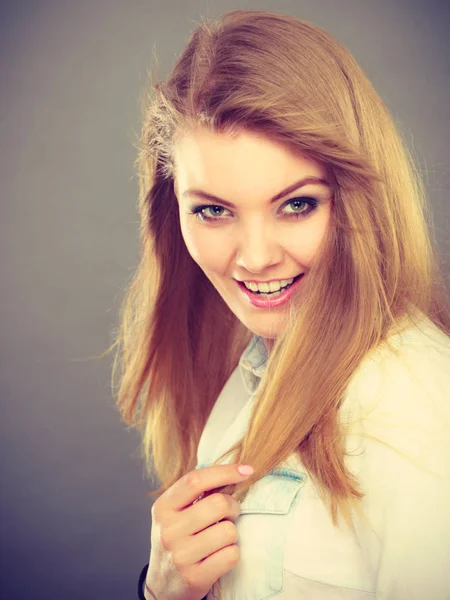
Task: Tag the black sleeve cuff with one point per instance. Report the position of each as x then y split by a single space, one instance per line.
141 582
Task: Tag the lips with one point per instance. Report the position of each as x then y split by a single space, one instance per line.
260 301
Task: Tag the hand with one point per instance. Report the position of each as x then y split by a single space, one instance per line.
193 539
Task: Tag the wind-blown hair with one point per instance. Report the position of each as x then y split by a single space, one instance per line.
179 342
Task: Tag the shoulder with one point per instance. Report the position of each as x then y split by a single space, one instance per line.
414 352
406 379
396 410
398 448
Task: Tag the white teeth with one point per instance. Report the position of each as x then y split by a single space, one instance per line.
273 286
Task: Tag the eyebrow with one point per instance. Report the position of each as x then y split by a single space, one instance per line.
295 186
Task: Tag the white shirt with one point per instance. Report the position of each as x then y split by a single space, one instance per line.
290 548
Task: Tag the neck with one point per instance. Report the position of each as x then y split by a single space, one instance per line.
268 342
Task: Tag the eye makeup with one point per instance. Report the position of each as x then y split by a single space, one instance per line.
311 203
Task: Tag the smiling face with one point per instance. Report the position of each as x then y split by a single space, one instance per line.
245 234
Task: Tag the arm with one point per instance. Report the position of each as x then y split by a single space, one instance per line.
409 551
403 466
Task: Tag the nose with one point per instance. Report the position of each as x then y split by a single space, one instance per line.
258 249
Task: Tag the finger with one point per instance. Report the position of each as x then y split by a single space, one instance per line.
187 489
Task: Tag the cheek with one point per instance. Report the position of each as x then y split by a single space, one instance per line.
206 248
308 240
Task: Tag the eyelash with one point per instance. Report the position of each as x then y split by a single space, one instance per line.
312 202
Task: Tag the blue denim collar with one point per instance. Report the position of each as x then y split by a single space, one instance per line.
253 363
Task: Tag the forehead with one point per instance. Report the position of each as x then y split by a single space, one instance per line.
243 160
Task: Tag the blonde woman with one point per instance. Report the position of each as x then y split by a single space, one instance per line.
288 313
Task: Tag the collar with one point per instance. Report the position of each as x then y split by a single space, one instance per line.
253 363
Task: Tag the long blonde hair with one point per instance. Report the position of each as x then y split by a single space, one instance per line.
179 342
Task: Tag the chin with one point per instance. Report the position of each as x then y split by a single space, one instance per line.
268 333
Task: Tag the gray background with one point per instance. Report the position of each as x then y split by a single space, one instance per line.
75 519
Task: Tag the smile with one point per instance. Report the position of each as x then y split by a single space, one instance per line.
267 299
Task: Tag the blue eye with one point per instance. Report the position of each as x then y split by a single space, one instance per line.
199 211
311 204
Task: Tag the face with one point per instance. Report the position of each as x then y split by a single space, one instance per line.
241 223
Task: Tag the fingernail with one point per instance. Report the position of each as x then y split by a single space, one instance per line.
245 469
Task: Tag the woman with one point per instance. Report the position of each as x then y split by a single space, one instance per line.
267 157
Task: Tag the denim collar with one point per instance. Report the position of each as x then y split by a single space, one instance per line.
253 363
